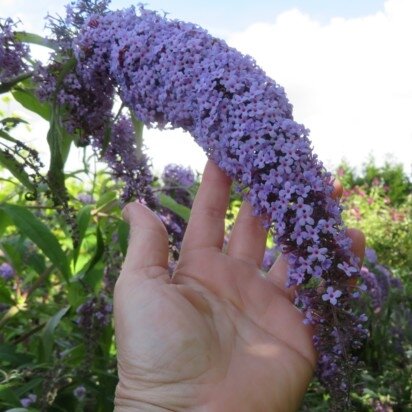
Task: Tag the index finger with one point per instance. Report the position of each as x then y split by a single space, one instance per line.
206 227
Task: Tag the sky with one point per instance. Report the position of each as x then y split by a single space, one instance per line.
345 65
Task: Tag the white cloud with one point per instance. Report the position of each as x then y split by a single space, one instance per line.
349 80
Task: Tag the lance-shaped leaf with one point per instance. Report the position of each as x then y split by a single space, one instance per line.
138 130
7 137
48 333
98 253
16 169
27 98
83 220
7 86
10 122
171 204
30 226
33 38
58 146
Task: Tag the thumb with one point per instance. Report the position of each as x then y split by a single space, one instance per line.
148 241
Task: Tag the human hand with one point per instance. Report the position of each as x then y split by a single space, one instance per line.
218 336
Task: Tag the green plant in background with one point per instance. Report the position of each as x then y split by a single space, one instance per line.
386 221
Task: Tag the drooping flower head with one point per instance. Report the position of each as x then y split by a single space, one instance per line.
175 73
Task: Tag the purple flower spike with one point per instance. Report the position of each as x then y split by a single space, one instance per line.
12 52
174 74
6 271
332 295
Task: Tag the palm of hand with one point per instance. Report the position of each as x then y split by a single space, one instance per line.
217 337
247 350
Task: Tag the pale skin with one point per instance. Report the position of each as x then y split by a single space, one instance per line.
219 335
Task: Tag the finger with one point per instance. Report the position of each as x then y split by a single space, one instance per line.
248 238
206 225
148 247
278 273
358 243
337 189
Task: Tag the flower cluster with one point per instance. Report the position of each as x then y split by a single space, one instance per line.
80 392
13 53
86 100
176 175
175 73
94 313
379 280
29 400
126 160
6 271
176 182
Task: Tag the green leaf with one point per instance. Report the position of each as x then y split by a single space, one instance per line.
5 294
11 250
29 100
138 130
37 262
28 387
94 276
33 38
107 202
5 221
171 204
76 293
9 397
9 355
16 169
83 220
6 136
98 253
105 199
48 333
123 232
55 174
5 87
10 122
39 233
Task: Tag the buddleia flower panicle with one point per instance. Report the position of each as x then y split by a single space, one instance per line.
176 183
13 53
174 74
6 271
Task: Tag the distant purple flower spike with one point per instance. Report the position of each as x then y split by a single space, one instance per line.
371 256
6 271
12 52
178 175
